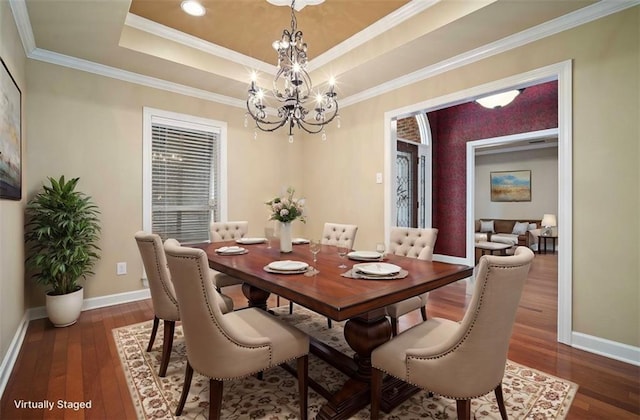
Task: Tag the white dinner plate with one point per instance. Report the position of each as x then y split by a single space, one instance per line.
288 265
231 250
378 269
364 255
249 241
299 241
271 270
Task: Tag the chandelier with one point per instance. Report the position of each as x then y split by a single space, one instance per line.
292 96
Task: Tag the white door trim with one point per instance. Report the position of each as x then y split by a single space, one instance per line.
562 72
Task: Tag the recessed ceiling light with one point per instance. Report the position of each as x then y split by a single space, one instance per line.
193 8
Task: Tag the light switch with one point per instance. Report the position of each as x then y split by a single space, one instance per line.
379 178
121 268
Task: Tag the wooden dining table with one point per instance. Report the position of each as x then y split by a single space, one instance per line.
359 302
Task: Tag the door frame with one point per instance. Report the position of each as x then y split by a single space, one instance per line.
562 72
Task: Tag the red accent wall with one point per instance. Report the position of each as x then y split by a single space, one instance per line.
536 108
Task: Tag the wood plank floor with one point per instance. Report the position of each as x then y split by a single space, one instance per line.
80 363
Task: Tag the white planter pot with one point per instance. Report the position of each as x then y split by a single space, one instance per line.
64 310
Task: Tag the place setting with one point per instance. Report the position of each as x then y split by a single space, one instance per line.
287 267
377 255
251 241
231 250
376 271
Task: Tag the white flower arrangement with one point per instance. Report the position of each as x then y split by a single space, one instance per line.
287 208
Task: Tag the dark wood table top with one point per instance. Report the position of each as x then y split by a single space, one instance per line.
328 293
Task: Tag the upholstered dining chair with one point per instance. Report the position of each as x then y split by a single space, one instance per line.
226 231
228 346
466 359
163 298
332 234
413 243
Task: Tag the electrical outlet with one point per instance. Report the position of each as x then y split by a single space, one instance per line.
121 268
379 178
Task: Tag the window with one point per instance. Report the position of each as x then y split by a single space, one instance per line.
184 175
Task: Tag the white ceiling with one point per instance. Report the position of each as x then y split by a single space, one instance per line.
416 40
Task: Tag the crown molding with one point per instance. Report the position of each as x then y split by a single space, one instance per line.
569 21
146 25
552 27
23 23
391 20
127 76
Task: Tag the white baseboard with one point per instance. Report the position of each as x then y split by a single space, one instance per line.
13 351
607 348
98 302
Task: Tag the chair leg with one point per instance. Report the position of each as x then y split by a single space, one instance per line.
376 392
394 326
167 344
303 389
215 399
278 301
464 409
154 330
423 312
500 400
328 322
290 308
188 375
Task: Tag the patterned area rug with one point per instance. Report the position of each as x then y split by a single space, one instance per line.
528 393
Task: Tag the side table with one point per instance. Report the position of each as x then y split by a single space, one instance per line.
543 240
491 248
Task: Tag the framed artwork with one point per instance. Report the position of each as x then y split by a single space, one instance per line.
10 136
511 186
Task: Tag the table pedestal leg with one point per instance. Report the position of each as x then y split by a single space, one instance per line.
363 334
257 298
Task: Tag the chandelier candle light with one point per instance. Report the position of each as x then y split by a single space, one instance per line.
292 95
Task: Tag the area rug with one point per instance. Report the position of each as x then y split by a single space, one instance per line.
528 393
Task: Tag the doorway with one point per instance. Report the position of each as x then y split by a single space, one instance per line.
560 72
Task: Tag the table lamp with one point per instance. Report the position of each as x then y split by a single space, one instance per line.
548 221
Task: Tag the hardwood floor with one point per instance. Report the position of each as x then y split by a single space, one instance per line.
80 363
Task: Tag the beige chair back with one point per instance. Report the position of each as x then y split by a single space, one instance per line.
471 362
165 304
238 351
413 242
227 231
332 233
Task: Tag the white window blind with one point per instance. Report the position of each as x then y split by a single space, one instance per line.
183 193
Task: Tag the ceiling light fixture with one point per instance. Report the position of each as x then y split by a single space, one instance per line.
292 95
193 8
499 100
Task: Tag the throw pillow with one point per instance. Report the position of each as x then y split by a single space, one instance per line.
486 226
520 228
532 226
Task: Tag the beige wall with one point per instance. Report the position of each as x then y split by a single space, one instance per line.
90 127
543 164
606 111
85 125
12 305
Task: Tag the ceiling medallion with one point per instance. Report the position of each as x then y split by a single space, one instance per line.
292 96
300 3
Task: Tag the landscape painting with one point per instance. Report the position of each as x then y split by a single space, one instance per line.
10 136
511 186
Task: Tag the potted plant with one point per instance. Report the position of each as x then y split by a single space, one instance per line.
62 231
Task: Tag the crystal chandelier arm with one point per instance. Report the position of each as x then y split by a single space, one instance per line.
292 90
